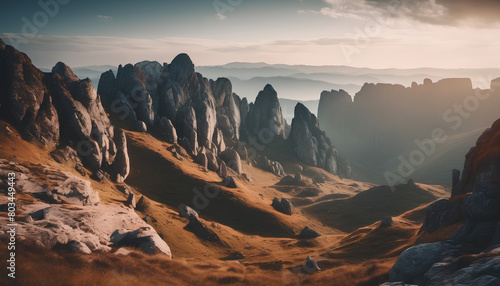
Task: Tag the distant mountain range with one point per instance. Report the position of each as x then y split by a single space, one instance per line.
303 83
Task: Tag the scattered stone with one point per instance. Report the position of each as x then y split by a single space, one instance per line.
229 182
307 233
309 192
201 159
283 206
265 164
187 212
195 225
28 219
199 229
386 222
311 266
124 189
298 179
99 175
131 201
320 180
79 168
247 177
120 179
222 172
235 256
143 204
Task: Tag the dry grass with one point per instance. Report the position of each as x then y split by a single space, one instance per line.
244 220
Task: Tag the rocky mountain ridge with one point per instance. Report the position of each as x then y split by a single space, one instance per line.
475 206
378 130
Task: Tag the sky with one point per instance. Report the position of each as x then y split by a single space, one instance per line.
360 33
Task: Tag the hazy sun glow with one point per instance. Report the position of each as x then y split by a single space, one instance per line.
362 33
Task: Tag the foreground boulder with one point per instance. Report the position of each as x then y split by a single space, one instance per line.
73 218
283 206
145 239
416 261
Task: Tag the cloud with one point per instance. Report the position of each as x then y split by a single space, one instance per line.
441 46
478 13
104 17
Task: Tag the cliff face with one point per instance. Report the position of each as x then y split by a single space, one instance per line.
148 92
384 122
312 146
475 204
57 109
266 113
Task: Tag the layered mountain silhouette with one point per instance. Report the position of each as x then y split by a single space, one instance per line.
395 133
162 176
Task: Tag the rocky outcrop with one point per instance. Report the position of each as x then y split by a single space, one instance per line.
371 128
228 111
168 131
55 109
24 99
121 165
265 118
145 239
416 261
443 213
68 214
469 256
265 164
218 140
244 109
232 160
312 146
194 105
